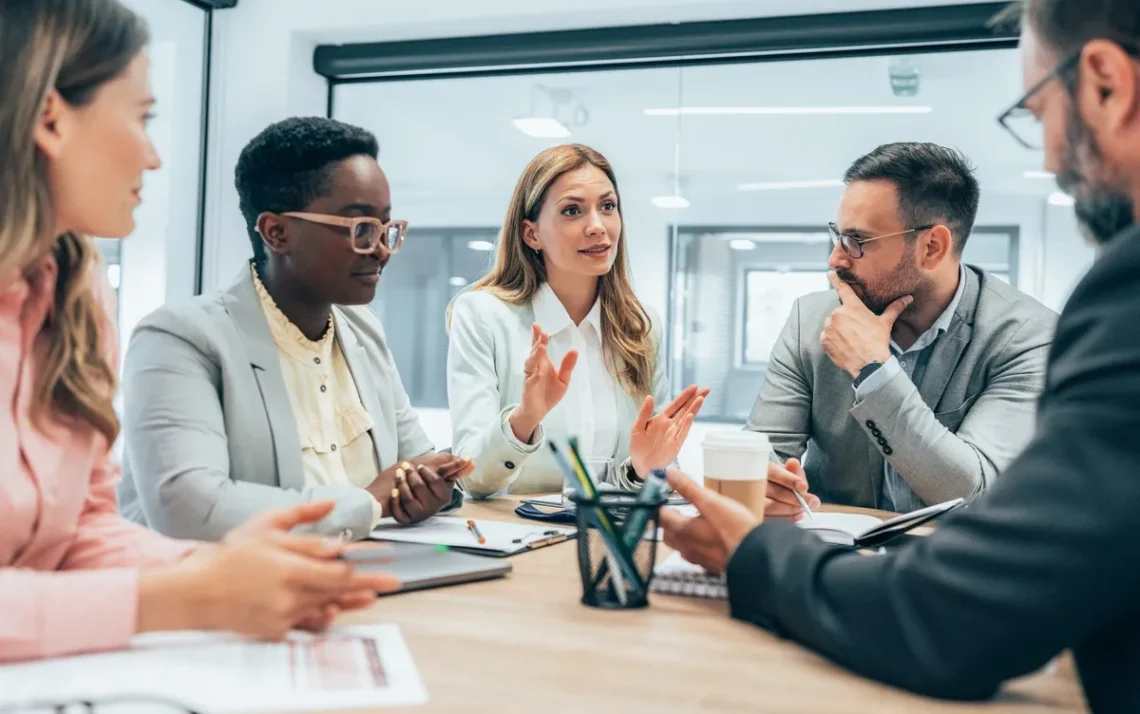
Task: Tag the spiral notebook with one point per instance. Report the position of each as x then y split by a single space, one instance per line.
677 576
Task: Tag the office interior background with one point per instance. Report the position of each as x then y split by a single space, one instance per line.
729 163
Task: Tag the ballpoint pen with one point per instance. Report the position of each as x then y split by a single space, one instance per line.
803 503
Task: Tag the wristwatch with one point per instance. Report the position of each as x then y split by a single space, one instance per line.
867 371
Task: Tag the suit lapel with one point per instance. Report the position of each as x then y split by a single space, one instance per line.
359 366
245 310
948 348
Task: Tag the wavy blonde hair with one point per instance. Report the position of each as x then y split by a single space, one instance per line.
74 47
519 272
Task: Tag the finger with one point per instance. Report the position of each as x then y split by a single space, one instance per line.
895 309
396 506
782 494
450 469
534 359
535 334
846 294
641 421
310 546
568 363
781 509
437 487
356 601
289 518
414 495
694 407
683 428
319 619
690 490
671 519
680 402
780 476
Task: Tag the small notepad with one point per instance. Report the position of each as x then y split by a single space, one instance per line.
502 538
677 576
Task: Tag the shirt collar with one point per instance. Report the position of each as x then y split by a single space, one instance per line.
942 324
552 317
287 336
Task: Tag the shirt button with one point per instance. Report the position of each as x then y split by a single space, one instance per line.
876 432
324 388
882 441
902 363
870 424
346 534
316 360
510 465
888 450
333 447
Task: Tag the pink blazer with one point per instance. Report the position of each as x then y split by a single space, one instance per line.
69 565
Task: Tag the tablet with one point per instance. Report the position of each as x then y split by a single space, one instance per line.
421 566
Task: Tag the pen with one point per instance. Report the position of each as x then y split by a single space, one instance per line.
803 503
471 526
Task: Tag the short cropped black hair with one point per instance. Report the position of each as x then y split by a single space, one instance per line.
936 185
1066 25
287 166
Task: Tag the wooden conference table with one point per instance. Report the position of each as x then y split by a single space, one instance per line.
525 644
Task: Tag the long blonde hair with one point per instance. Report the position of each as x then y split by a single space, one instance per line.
74 47
519 272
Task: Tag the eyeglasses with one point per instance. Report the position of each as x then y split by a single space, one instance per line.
853 246
365 232
1022 123
151 705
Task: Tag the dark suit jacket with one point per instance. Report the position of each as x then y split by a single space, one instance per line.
1045 560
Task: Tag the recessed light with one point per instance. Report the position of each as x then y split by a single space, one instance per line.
541 127
784 185
1061 199
1039 175
456 281
670 201
480 245
782 111
741 244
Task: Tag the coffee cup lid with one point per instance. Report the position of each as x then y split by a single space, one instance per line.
735 440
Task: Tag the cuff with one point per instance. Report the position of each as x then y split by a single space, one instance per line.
539 437
748 575
377 512
890 369
88 610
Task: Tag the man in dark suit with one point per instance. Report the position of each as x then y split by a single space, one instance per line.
1045 560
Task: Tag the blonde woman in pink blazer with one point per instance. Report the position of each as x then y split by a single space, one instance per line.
74 576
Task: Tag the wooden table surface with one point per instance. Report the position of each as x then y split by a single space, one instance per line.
524 643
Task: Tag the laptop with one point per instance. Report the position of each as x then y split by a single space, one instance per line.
427 566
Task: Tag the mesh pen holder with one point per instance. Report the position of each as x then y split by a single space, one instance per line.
603 549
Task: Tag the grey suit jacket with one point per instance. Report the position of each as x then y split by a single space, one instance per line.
209 435
948 438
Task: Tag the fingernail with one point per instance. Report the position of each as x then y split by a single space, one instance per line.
396 493
406 466
400 475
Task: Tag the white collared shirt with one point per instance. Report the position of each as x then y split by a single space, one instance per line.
589 409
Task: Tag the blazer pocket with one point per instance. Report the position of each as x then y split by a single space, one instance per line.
953 418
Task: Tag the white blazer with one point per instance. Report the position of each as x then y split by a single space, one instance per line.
490 341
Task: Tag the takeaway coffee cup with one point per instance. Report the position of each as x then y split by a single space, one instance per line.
736 465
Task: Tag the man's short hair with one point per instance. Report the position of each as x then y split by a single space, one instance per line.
1066 25
287 166
935 185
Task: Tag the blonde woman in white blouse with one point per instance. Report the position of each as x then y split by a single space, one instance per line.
559 294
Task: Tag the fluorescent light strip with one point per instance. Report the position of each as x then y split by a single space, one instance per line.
781 111
741 244
541 127
481 245
1061 199
783 185
670 201
1039 175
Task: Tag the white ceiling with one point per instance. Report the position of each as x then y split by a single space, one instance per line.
449 146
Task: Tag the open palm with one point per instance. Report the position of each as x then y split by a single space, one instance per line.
543 384
654 441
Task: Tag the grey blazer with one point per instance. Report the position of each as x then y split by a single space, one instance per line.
209 434
950 438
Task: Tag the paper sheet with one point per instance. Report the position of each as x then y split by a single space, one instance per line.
833 527
346 668
501 536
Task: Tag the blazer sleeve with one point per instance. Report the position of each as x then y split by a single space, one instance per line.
1036 564
480 427
176 440
940 464
783 407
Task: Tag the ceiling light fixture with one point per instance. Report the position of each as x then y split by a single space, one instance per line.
456 281
782 111
784 185
1061 199
670 201
741 244
481 245
1039 175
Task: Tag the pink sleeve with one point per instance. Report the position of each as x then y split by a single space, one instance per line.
47 614
104 539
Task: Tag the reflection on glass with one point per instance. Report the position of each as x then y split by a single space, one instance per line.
768 299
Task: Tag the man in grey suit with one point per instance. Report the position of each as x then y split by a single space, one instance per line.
915 381
281 388
1045 560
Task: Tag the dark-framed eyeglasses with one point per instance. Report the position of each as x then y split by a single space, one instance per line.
1022 123
853 245
125 703
365 232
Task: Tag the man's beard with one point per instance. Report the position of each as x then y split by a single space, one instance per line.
904 280
1102 211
